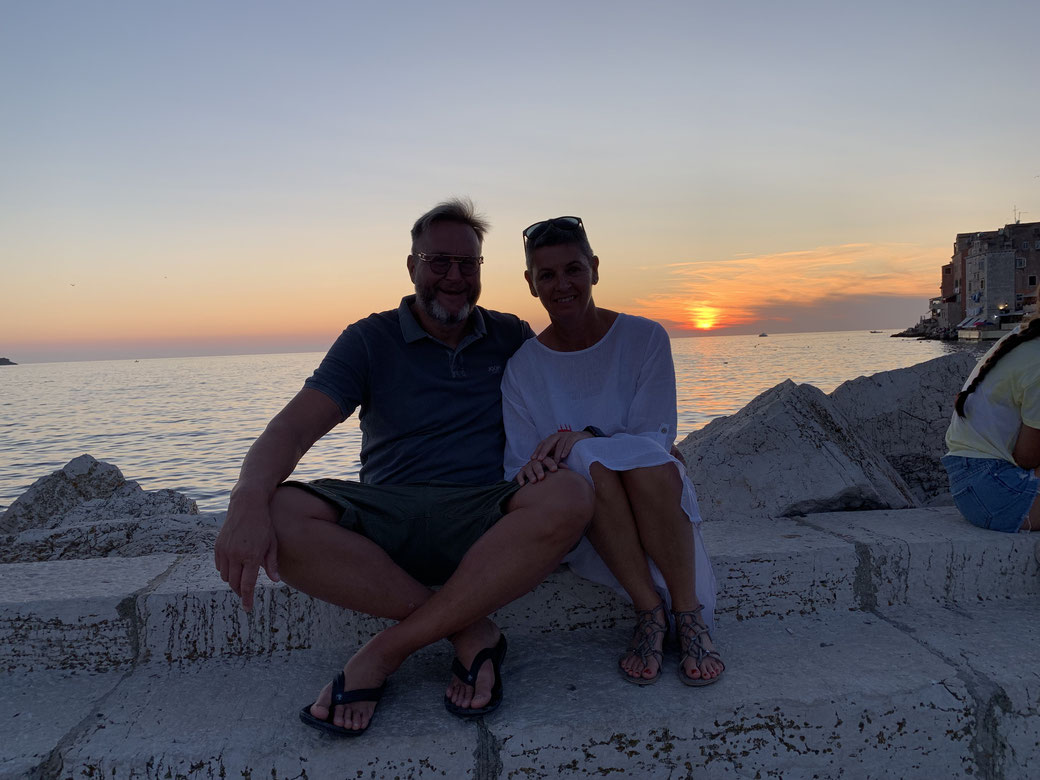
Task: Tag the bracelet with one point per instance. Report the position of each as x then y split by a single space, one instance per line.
594 431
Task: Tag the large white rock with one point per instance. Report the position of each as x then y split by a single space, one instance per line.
904 413
127 537
788 452
88 490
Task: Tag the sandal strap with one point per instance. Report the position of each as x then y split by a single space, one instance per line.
493 654
648 628
340 696
691 630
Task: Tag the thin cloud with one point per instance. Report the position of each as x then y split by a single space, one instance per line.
722 294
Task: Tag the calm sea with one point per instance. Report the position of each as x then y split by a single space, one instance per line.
186 423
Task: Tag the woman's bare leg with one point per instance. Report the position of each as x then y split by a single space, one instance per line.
655 496
614 536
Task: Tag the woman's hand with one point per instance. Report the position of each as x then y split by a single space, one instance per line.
536 469
558 445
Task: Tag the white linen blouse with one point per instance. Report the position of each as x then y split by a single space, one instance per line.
624 385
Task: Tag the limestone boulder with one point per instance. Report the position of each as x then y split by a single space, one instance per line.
87 490
790 451
122 537
903 414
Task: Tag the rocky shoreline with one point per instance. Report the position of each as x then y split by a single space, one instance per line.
879 642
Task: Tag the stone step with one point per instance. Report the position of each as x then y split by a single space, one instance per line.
102 614
920 691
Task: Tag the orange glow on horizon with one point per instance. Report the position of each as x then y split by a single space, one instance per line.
720 294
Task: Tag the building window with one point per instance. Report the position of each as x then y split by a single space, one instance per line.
1032 281
1020 262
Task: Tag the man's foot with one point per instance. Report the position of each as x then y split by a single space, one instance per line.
360 673
699 662
641 663
468 642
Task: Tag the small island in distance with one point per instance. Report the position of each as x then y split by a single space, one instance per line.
7 362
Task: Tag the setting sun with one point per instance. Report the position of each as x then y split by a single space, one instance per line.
704 317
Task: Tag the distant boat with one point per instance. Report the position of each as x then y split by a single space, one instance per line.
875 331
761 335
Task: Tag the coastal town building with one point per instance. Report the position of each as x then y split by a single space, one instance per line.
990 282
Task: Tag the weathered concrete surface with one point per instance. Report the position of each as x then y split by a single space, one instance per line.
997 654
926 693
903 414
40 710
932 556
176 608
790 451
74 614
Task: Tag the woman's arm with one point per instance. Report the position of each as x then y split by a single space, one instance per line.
1027 448
521 435
652 411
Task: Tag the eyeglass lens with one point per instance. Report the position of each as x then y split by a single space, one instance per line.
441 264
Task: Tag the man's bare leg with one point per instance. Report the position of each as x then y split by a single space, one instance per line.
324 560
544 521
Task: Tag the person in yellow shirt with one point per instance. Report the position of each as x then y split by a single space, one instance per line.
993 442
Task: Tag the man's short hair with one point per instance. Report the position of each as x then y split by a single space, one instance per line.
554 236
459 210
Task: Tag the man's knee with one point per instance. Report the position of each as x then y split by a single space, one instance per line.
289 505
564 499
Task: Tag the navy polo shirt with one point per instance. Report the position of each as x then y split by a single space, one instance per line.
428 412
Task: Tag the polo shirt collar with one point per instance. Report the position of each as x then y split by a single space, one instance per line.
411 330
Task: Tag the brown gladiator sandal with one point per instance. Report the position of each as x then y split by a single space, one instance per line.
648 628
691 630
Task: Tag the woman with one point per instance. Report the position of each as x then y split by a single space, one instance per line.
993 441
595 392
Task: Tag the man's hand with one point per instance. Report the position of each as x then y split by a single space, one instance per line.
558 445
246 542
535 470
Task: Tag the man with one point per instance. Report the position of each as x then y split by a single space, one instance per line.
427 378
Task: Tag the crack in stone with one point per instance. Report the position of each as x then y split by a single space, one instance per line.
987 747
52 765
488 754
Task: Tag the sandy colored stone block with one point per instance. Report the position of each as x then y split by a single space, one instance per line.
73 614
32 726
933 555
780 567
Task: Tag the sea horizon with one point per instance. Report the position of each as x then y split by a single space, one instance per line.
185 423
325 347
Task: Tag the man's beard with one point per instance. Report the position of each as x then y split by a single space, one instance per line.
426 297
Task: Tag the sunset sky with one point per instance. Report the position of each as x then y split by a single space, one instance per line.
218 178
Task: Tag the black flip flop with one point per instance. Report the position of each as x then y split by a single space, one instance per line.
339 696
494 654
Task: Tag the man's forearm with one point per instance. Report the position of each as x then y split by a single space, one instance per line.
269 461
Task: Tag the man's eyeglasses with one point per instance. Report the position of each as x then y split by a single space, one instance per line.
531 232
441 264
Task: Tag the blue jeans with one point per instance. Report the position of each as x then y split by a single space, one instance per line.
991 493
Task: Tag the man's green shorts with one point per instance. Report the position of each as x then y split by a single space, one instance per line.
425 528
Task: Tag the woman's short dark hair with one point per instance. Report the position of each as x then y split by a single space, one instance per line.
554 236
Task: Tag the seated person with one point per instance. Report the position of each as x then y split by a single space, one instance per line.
993 441
595 392
430 507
